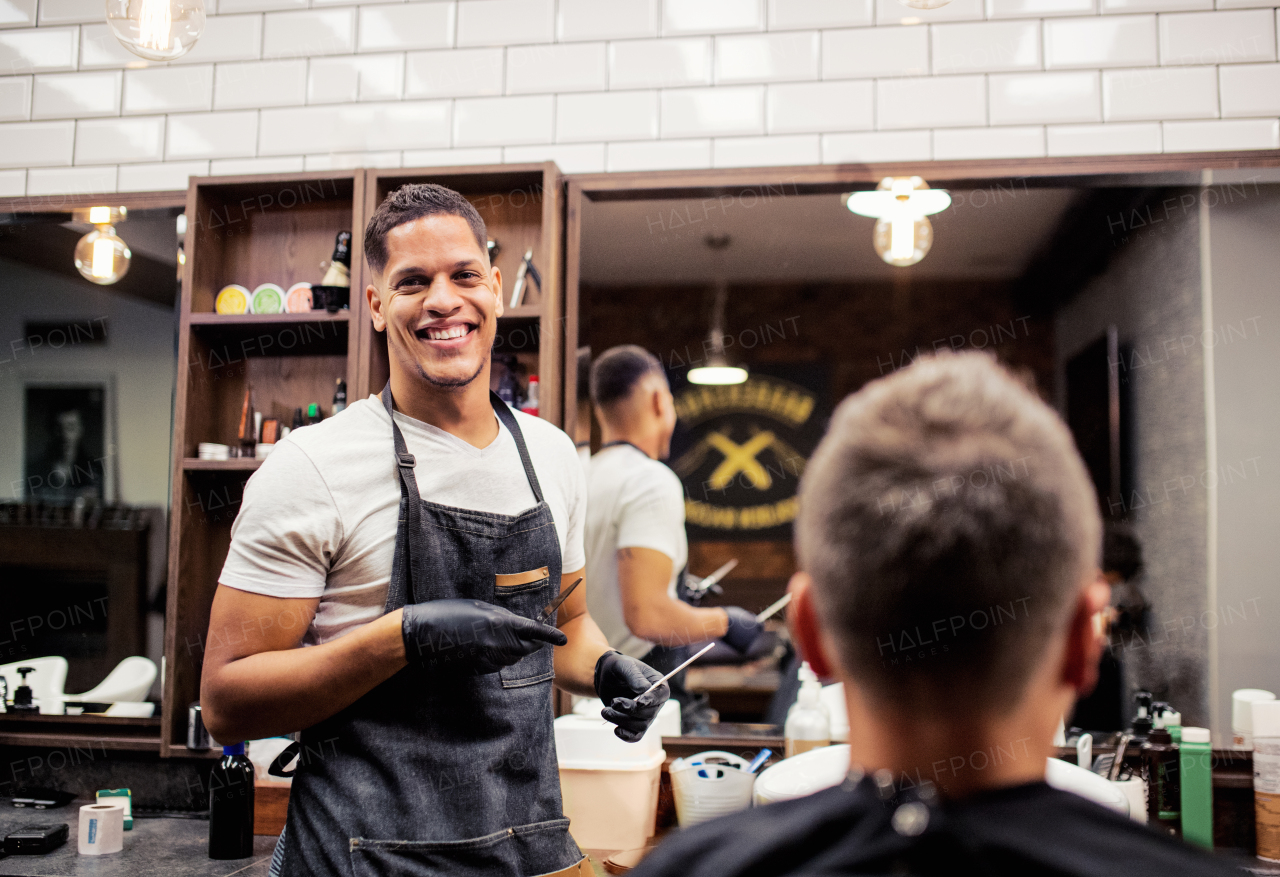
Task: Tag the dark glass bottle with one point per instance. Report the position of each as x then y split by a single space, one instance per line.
231 805
1164 790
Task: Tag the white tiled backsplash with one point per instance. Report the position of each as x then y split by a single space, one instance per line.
277 86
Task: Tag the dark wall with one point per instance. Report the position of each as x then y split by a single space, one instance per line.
858 331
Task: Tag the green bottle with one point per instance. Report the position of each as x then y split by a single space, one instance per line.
1196 769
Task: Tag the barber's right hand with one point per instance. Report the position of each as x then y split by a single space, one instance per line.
743 628
470 636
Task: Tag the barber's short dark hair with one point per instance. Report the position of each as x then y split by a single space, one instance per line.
1121 551
948 524
615 374
414 201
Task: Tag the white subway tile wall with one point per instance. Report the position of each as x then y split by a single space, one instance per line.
790 14
115 141
962 143
1169 93
71 180
17 13
616 115
13 184
817 107
775 57
556 68
76 95
1066 96
390 26
277 86
260 84
660 63
15 98
355 78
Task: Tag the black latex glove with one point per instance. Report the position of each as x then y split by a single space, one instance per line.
619 679
471 636
743 629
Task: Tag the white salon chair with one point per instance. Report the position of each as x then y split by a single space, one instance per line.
47 681
129 681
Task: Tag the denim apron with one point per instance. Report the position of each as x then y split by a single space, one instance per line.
436 771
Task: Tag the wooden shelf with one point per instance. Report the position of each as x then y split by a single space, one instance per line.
522 312
214 319
84 732
236 464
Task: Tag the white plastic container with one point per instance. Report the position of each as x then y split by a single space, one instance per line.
704 791
1242 701
610 788
808 725
665 724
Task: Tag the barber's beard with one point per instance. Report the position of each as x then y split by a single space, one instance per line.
453 384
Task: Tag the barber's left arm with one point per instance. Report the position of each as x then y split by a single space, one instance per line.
575 662
587 666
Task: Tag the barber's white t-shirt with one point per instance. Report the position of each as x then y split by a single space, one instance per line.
632 502
319 516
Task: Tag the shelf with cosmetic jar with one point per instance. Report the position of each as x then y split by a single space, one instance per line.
266 332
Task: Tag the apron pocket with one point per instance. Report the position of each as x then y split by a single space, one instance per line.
527 599
541 847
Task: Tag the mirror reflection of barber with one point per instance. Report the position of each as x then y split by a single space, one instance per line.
383 587
637 550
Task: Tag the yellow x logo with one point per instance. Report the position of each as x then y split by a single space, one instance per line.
740 458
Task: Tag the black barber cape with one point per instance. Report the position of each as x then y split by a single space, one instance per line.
1021 831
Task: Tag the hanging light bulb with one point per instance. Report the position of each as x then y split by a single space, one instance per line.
101 256
902 241
717 369
902 235
158 30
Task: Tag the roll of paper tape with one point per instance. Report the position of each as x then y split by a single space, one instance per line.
101 829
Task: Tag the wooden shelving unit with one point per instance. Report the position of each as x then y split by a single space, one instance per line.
245 230
279 229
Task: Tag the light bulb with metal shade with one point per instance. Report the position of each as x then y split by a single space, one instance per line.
102 257
717 371
158 30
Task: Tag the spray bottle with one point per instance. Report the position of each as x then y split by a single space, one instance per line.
1164 791
808 724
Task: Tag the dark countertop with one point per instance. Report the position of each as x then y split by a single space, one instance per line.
156 847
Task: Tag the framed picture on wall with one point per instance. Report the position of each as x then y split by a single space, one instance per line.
68 431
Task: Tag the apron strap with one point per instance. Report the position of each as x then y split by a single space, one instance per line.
411 502
279 766
403 567
509 421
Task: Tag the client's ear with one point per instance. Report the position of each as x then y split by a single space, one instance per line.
1086 636
802 618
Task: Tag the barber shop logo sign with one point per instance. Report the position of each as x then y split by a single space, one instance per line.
740 453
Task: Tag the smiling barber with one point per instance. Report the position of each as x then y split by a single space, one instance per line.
409 544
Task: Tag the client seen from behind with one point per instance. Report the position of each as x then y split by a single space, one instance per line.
946 504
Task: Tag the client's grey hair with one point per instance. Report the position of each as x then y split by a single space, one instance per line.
948 523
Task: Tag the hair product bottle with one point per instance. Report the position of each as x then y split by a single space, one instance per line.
1196 773
340 396
231 805
808 725
339 271
1266 778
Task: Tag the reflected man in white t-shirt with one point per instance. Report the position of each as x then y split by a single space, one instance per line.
635 539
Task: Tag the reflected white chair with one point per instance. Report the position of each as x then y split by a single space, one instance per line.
46 682
129 681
